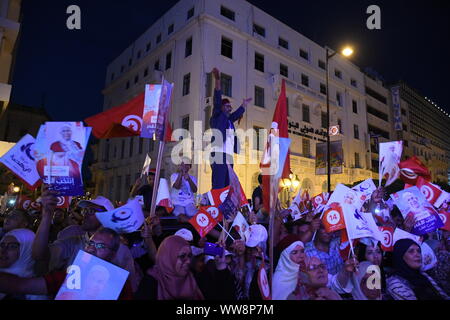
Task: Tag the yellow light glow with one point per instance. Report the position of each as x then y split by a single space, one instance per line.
291 176
287 183
295 183
16 189
347 51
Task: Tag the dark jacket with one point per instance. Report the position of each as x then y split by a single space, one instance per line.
220 121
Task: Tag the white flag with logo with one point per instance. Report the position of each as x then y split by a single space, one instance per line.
241 226
360 224
125 219
390 155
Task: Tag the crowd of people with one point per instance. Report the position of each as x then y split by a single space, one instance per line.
166 259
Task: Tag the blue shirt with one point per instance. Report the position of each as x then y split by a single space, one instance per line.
332 259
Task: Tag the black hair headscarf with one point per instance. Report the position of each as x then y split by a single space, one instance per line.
361 256
422 287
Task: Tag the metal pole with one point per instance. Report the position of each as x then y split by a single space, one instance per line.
328 126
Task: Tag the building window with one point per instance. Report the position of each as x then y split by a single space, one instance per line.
259 30
305 80
341 131
324 119
139 54
403 112
131 147
121 69
259 96
259 62
156 66
321 65
287 107
128 182
115 152
376 95
357 163
339 99
112 76
188 48
405 128
148 47
190 13
146 72
227 48
207 117
227 13
168 60
130 62
186 84
305 113
185 123
136 79
158 38
323 89
127 86
141 145
338 73
304 54
355 106
355 131
284 71
306 147
170 29
122 150
371 110
283 43
258 142
375 130
405 143
226 84
354 83
106 154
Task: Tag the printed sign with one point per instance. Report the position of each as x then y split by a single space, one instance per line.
414 207
21 161
203 222
91 278
390 155
336 156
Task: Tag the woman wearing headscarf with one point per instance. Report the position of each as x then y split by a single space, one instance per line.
286 274
313 282
172 279
16 259
408 282
360 281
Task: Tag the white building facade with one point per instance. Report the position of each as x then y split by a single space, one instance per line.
253 51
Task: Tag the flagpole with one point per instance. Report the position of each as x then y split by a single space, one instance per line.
229 235
157 175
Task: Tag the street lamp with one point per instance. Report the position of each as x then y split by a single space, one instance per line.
346 52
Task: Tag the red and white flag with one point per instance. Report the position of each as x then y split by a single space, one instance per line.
203 222
163 197
24 203
241 226
63 202
388 238
445 217
320 200
333 218
214 212
411 169
275 163
121 121
434 195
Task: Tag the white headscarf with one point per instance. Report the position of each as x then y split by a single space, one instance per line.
286 275
356 278
24 266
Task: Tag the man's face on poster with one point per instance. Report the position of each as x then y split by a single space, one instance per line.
413 201
66 133
96 282
349 198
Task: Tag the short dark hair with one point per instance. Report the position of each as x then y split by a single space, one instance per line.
116 237
260 178
21 214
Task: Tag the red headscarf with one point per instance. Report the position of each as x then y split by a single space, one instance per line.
172 286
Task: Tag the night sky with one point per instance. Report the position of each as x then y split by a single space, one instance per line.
66 69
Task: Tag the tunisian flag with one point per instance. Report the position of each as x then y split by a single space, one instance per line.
411 169
434 195
121 121
276 155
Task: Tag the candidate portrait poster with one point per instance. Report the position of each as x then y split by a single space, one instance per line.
417 210
91 278
60 149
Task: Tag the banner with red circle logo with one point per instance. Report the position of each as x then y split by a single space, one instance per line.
388 238
203 222
63 202
24 203
214 212
445 217
333 218
263 283
432 192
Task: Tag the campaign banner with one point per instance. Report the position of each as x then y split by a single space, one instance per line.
365 189
320 200
203 222
360 224
336 157
395 92
390 156
218 196
214 212
91 278
333 214
21 161
156 106
414 207
125 219
59 153
445 217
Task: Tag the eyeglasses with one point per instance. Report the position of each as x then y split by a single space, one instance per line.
184 256
9 245
97 245
317 267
